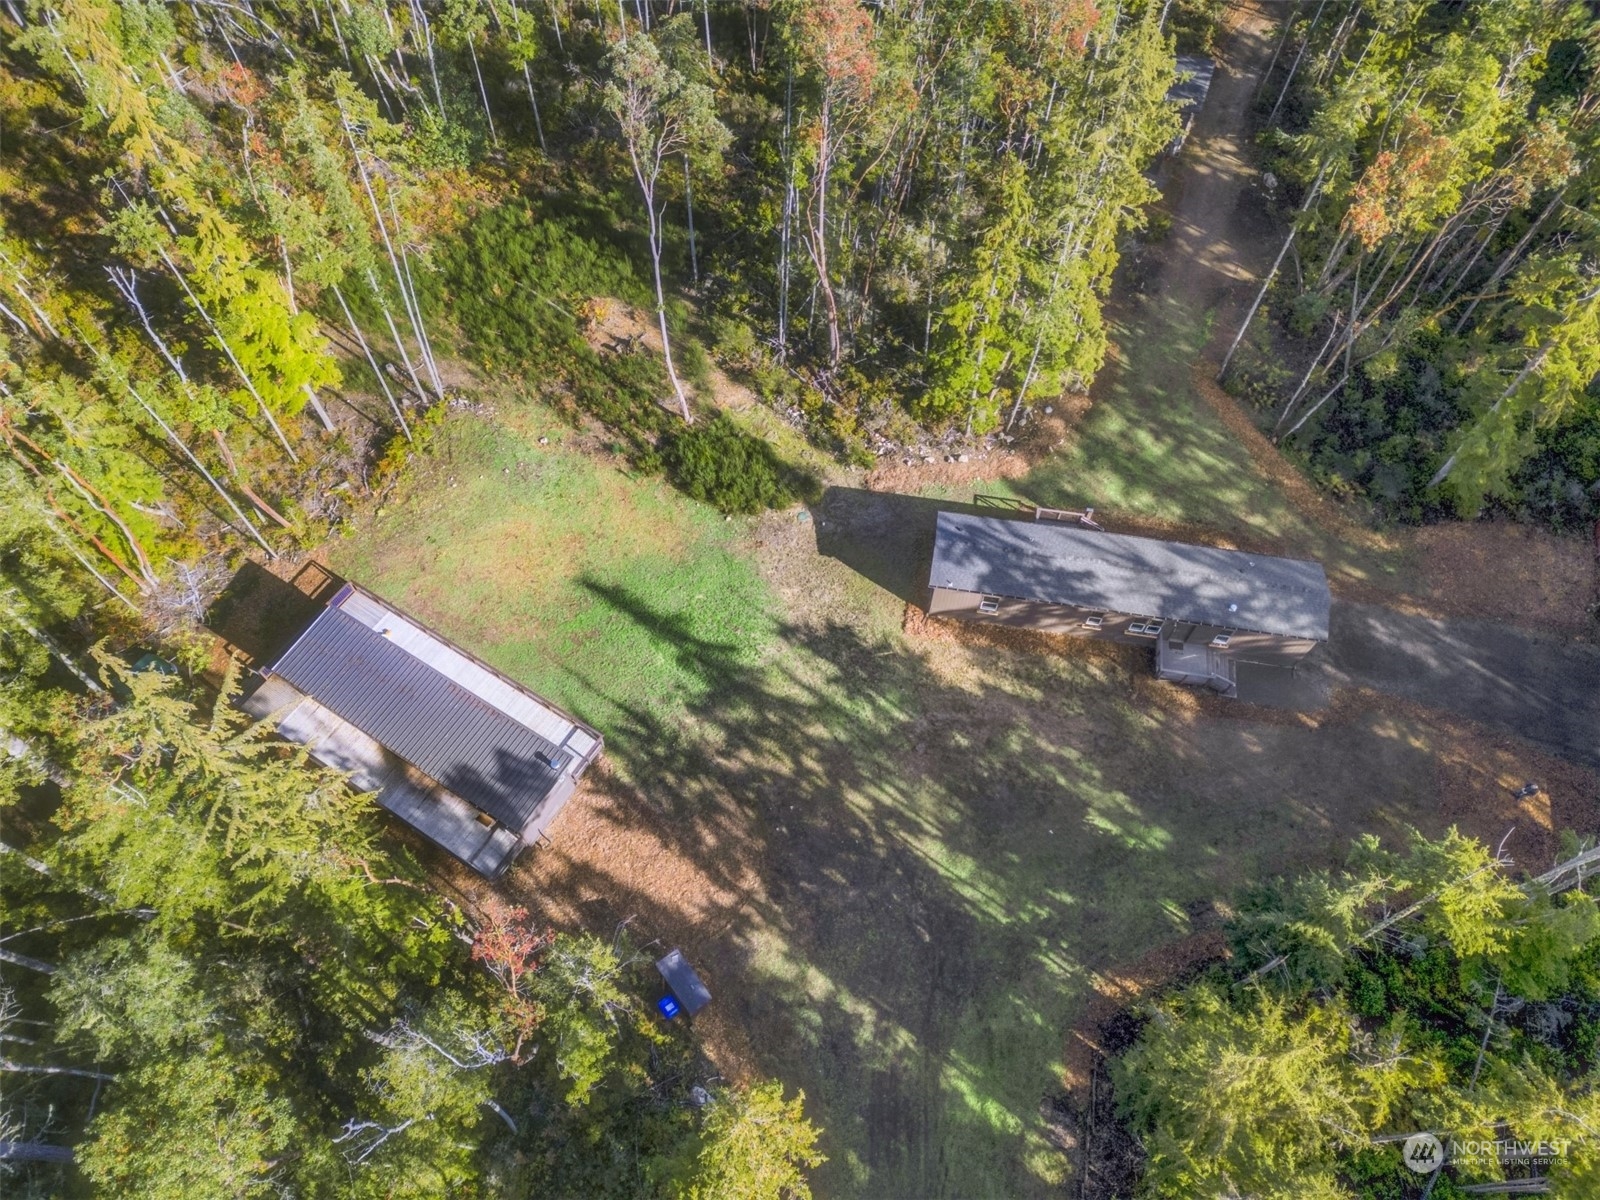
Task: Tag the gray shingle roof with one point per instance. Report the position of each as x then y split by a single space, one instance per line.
1063 564
476 751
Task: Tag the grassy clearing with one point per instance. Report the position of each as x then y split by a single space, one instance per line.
524 552
904 865
1150 447
935 848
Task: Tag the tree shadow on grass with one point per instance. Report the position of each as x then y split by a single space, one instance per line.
887 537
1149 446
926 872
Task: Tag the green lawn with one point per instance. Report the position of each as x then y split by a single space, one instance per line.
936 846
1149 446
532 554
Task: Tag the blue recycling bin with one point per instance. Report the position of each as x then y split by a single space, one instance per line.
668 1007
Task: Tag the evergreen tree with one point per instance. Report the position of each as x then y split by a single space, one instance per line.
1411 992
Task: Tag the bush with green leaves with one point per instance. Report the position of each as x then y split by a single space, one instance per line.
722 464
519 285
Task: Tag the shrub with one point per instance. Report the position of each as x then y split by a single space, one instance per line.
525 288
399 452
721 464
735 342
1560 484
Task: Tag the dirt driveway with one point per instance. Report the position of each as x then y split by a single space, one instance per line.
1538 686
1532 670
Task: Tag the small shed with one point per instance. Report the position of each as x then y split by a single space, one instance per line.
472 760
1204 609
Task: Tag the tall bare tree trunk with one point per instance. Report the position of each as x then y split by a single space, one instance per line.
688 196
1266 283
1509 260
400 277
661 299
488 116
1295 67
183 446
399 343
816 240
1288 28
787 221
372 362
538 124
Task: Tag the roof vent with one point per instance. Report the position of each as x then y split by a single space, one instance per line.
1233 608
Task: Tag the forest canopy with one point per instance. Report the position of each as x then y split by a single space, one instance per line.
1439 293
223 225
1417 991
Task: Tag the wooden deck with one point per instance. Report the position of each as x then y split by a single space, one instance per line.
434 811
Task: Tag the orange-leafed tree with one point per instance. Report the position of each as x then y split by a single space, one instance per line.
509 948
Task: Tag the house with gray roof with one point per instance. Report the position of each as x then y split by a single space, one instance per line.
1203 609
472 760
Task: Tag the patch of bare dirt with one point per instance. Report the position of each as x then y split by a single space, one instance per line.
1107 1161
1043 433
616 328
611 326
612 859
727 392
1117 990
979 460
1509 572
982 466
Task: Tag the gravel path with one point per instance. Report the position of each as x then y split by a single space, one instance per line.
1540 686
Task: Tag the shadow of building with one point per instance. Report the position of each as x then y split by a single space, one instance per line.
258 614
888 537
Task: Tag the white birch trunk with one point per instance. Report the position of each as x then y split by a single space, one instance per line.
372 362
